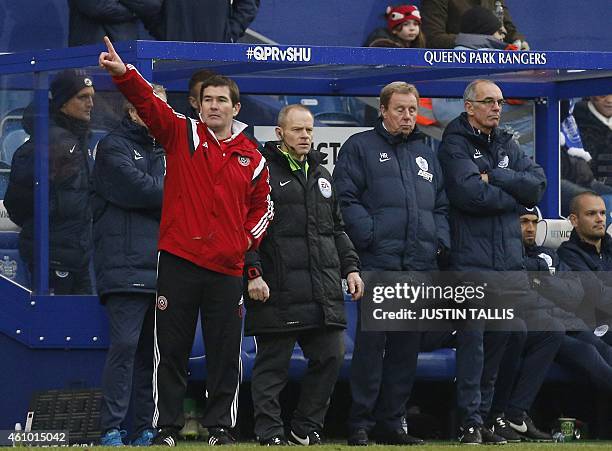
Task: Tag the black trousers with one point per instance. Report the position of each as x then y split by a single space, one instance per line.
592 355
383 369
129 361
324 349
479 354
185 290
522 371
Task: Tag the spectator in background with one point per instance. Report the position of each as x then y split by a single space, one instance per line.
442 21
481 29
298 299
390 182
91 20
577 164
594 119
128 179
204 20
70 240
403 29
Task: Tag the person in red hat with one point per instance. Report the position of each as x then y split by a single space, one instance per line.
404 22
403 29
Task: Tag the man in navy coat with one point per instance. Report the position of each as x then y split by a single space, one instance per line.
392 198
487 177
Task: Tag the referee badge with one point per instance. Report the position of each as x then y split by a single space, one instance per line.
244 161
325 187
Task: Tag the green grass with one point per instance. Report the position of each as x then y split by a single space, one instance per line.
435 446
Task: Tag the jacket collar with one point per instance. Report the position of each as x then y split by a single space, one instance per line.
606 244
237 128
478 42
397 139
604 120
461 126
134 131
272 151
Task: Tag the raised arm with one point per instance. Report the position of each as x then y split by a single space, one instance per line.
163 122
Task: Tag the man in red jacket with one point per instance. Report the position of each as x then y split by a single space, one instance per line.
216 207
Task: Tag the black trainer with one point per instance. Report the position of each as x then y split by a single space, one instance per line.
489 438
470 435
398 437
500 427
528 431
220 436
358 437
166 437
312 438
276 440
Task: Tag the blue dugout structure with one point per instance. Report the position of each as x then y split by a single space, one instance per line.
50 342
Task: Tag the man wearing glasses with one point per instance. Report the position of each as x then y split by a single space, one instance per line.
487 177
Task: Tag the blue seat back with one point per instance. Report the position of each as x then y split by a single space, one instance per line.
10 142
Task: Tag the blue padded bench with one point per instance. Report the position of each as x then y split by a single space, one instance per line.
438 365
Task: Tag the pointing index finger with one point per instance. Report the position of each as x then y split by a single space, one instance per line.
109 46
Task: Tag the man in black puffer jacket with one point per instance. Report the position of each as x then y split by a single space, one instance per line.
487 178
391 193
295 290
128 181
70 243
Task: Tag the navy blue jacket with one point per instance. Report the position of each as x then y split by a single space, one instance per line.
485 229
596 275
392 199
203 21
70 243
128 182
91 20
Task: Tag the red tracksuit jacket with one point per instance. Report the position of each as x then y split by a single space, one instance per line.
216 194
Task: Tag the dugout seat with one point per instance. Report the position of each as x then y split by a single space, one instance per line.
432 366
552 232
437 365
